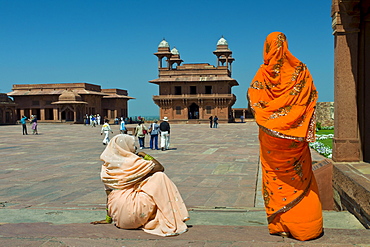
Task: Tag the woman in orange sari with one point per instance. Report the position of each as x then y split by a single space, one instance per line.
139 194
283 97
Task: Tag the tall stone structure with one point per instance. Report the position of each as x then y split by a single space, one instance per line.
351 149
351 29
191 93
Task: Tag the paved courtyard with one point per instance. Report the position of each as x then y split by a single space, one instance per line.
59 168
50 189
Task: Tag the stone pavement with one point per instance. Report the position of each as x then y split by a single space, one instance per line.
50 190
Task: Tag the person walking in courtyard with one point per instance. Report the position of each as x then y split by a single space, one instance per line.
91 120
86 120
154 131
34 125
164 129
210 121
105 129
98 119
94 120
140 132
215 122
139 193
122 127
283 97
24 125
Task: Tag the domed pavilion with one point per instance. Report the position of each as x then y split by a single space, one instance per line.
192 93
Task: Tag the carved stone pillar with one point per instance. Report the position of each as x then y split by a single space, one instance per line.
42 114
55 114
345 24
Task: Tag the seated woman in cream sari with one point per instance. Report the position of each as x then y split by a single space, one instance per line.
139 194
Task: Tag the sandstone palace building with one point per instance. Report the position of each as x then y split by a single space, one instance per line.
61 102
7 110
191 93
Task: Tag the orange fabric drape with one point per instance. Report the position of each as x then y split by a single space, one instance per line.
282 97
289 188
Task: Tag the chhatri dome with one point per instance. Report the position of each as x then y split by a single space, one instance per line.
69 97
174 51
222 41
163 43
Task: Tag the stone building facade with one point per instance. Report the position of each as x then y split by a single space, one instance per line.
351 144
7 110
191 93
237 113
62 102
351 29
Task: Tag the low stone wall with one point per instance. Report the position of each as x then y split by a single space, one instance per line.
325 113
352 192
323 171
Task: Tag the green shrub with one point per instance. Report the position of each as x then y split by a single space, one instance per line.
318 126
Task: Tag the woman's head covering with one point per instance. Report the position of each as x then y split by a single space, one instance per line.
282 95
126 142
122 168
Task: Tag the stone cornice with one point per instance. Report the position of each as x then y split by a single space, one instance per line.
345 16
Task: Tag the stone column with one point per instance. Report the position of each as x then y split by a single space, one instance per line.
346 146
3 118
55 114
363 91
42 114
75 113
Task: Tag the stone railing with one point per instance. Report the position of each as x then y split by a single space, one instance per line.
196 96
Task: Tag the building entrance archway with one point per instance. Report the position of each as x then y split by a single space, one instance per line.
193 111
67 115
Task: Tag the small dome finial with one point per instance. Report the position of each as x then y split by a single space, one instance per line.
163 43
174 51
222 41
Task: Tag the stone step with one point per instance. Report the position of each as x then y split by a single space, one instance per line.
87 235
198 216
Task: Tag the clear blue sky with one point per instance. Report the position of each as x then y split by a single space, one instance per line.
111 43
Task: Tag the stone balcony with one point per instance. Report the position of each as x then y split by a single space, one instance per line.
194 96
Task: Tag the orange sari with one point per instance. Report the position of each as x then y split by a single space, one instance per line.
282 97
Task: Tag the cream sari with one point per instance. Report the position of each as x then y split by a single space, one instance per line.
139 199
